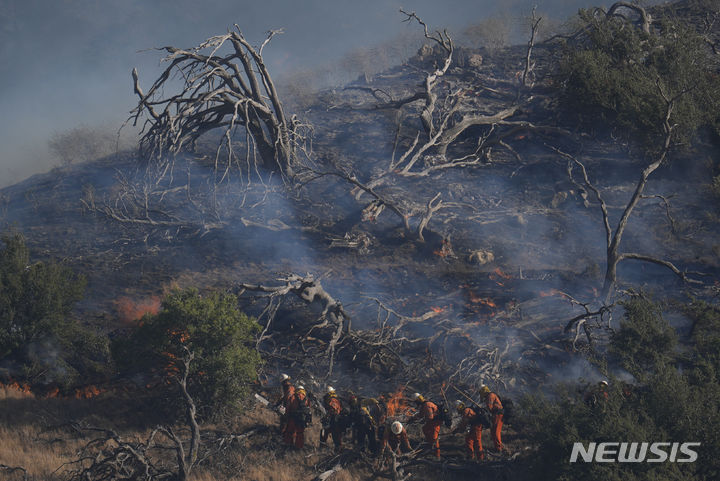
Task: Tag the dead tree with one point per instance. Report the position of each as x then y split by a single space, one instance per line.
614 235
309 290
527 76
645 18
110 456
225 85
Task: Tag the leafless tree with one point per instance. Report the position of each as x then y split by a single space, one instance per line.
223 85
109 456
614 235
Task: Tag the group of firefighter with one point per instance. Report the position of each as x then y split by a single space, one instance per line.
377 432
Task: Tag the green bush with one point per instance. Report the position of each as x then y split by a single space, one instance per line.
645 343
220 336
612 79
675 398
36 328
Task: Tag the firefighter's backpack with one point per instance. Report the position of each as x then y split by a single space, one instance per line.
481 418
444 414
508 410
303 416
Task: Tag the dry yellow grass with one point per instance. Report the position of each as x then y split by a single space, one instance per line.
34 435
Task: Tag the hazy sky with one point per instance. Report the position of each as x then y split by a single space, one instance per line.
67 62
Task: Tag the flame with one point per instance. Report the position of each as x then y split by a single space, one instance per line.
483 301
129 310
445 250
438 309
553 292
397 404
181 335
23 388
53 393
87 392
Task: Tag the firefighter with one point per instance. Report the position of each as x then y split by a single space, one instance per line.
396 438
596 394
495 407
365 429
471 418
288 390
332 422
429 412
298 419
382 413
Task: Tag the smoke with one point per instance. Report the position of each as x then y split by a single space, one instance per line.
68 63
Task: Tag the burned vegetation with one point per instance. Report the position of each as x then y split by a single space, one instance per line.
466 218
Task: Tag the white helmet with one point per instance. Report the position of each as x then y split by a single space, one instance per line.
604 383
284 377
396 427
301 388
417 397
330 389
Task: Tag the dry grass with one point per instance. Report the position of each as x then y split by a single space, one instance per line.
35 432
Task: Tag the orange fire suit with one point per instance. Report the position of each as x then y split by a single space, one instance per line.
397 442
332 423
495 407
431 429
473 437
294 433
284 401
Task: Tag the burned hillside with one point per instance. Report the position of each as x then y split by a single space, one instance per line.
449 223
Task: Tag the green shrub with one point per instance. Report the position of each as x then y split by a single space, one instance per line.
220 336
612 80
675 398
36 330
645 342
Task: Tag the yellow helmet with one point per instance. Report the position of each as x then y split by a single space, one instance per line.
484 390
460 406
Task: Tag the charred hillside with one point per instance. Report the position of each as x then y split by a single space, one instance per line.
470 217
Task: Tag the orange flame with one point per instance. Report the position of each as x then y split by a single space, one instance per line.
445 250
16 386
397 405
484 301
53 393
87 392
129 310
438 309
552 292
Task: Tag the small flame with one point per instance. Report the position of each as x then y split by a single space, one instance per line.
129 310
483 301
445 250
87 392
397 404
53 393
438 309
553 292
23 388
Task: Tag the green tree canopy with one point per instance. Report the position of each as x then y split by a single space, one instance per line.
36 328
675 397
213 328
616 78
